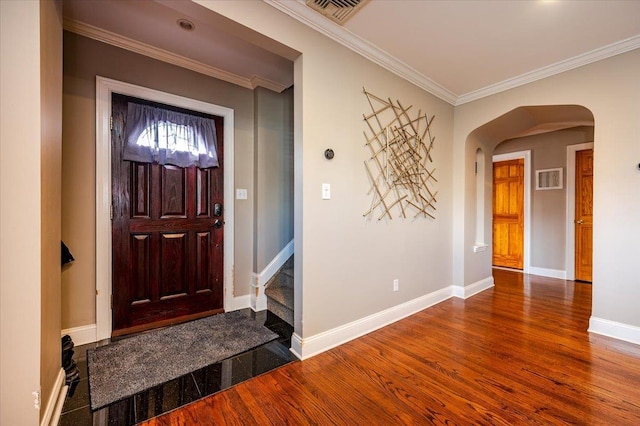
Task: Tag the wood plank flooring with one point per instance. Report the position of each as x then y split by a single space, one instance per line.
515 354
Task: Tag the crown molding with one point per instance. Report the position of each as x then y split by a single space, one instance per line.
135 46
258 81
553 69
301 12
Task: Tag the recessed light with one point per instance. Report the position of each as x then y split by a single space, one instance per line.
186 24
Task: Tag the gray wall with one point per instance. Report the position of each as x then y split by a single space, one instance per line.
273 165
548 208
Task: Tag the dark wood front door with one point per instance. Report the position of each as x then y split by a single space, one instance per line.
167 240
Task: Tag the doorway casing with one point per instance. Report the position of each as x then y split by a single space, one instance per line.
104 88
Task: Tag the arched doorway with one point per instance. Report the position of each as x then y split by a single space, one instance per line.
552 135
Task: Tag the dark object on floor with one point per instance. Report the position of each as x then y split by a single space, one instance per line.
134 364
66 254
72 376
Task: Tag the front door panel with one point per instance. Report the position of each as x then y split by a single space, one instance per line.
167 253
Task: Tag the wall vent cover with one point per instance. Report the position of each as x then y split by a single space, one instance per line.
338 11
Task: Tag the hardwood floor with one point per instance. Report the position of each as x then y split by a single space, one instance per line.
515 354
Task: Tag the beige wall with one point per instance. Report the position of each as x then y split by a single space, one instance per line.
20 212
273 174
345 265
610 89
548 208
29 207
51 198
83 60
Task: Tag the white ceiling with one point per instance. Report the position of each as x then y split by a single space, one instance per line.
458 50
468 45
466 49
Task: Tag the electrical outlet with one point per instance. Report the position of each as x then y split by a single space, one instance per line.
396 284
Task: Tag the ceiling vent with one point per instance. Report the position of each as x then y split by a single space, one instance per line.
338 11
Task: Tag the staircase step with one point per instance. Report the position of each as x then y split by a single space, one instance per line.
280 293
282 311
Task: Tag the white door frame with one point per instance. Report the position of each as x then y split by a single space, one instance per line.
526 155
570 232
104 88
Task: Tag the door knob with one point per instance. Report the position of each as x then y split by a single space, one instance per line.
217 224
579 222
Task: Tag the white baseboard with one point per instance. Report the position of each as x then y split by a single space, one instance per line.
296 345
617 330
305 348
472 289
551 273
82 335
258 298
241 302
52 411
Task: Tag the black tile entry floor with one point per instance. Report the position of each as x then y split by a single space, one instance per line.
185 389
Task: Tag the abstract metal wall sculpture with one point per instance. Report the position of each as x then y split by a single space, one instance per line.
400 168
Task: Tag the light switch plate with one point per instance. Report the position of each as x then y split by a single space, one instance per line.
241 194
326 191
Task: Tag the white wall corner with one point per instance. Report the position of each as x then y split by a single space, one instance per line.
617 330
464 292
82 335
258 298
53 409
296 345
305 348
551 273
457 291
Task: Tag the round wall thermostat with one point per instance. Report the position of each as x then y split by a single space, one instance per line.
328 154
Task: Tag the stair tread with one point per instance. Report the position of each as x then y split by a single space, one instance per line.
281 279
280 293
280 310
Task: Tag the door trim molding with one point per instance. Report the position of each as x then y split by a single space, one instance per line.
104 88
570 232
526 155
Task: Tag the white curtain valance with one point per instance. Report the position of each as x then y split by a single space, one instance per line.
168 137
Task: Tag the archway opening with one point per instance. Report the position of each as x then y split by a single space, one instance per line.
552 134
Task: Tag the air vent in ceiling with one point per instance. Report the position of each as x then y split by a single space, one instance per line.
337 10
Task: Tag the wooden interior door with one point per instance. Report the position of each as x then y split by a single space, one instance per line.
508 213
584 215
167 241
